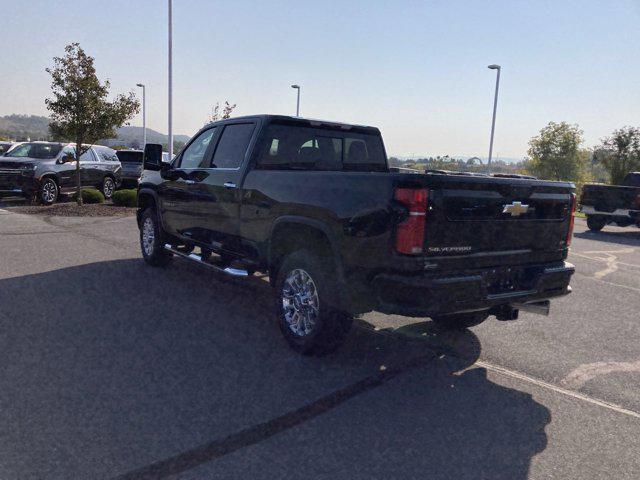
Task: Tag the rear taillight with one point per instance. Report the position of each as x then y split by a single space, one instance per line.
572 219
410 233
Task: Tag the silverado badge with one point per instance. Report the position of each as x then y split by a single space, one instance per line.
516 209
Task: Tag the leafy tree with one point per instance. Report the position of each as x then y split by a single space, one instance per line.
80 111
620 153
556 153
227 110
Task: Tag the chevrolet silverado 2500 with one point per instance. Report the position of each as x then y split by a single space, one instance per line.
315 205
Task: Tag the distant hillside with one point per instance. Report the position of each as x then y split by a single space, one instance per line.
23 127
34 127
131 136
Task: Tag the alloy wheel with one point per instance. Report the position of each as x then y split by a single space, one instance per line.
300 302
49 191
148 237
108 187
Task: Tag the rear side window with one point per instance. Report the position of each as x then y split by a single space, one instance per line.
233 145
87 156
290 147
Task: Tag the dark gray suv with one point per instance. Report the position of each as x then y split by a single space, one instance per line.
131 161
44 170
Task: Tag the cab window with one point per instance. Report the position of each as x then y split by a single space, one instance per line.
194 155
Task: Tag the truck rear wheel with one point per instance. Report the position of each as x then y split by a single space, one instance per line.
460 321
304 291
151 238
595 222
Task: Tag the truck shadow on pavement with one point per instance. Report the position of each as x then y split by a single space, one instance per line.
630 238
115 369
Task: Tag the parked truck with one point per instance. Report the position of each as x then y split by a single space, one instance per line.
314 205
607 204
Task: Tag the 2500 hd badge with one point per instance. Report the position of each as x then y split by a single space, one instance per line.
450 249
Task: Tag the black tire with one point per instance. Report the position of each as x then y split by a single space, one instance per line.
596 222
329 325
152 240
48 191
460 321
108 187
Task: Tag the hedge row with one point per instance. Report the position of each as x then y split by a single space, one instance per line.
125 198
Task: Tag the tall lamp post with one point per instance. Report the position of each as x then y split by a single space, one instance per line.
170 79
297 87
144 114
495 106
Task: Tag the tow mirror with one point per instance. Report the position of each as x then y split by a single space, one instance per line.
152 159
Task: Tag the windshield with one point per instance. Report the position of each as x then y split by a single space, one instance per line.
42 151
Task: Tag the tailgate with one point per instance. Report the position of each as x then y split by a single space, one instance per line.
474 215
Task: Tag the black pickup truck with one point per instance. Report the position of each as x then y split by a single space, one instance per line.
315 205
605 204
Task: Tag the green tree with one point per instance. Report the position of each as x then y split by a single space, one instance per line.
80 110
556 153
620 153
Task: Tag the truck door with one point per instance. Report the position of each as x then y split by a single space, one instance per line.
67 170
177 193
89 169
217 195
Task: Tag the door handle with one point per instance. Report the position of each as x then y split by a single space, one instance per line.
229 185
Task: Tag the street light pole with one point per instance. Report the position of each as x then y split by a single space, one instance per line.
170 79
495 106
297 87
144 114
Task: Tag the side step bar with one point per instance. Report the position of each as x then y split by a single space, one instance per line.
234 272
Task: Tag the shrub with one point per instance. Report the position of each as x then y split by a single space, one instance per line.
90 195
125 198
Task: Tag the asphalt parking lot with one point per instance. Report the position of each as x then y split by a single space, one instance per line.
112 369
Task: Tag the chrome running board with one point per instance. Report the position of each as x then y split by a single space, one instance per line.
540 308
234 272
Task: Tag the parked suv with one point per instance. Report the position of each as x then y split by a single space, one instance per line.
131 161
43 170
315 205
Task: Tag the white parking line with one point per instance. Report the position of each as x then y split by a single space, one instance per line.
602 259
563 391
588 371
589 277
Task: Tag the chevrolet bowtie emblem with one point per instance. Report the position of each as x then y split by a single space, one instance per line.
515 209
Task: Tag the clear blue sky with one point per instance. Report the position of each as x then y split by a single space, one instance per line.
416 69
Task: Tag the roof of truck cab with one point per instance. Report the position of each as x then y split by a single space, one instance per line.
311 122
